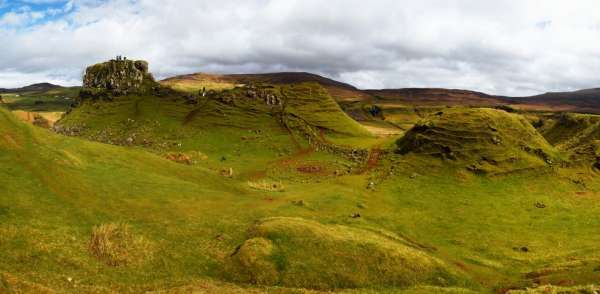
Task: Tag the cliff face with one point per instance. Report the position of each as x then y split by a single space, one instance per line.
119 76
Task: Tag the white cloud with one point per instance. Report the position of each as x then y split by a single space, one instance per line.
503 47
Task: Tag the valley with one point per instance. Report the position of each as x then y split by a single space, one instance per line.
293 183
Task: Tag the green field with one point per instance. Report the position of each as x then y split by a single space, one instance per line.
232 195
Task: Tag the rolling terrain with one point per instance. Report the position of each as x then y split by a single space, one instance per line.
258 183
194 82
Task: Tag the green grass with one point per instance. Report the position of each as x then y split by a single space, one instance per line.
54 190
197 84
577 135
313 104
56 100
483 140
286 251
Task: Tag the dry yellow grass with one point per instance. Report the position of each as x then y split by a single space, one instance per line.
115 245
267 186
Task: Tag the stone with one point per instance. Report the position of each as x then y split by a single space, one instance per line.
299 202
227 172
119 77
371 185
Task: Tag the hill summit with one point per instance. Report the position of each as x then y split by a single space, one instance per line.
119 76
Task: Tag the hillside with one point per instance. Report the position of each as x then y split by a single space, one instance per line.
268 187
194 82
189 217
483 140
578 135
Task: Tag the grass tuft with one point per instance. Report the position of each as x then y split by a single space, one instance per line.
267 186
115 245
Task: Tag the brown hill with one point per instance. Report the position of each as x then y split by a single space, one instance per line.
435 96
585 101
39 87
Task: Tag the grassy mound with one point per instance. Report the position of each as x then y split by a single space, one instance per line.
312 103
576 134
486 140
302 253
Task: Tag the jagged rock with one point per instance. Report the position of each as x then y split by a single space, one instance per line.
117 77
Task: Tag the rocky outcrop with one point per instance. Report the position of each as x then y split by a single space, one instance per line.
118 77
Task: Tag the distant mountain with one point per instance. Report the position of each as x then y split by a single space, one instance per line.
587 100
39 87
434 96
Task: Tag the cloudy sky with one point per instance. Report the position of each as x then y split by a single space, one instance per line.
515 47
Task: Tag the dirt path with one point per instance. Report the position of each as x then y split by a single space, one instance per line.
372 161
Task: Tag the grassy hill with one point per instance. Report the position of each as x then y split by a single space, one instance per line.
271 187
61 193
484 140
172 124
194 82
578 135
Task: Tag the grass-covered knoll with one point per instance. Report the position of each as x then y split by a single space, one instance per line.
311 103
578 135
286 251
483 139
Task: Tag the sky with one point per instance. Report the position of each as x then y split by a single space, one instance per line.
505 47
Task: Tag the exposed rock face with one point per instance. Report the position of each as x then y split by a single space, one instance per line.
119 76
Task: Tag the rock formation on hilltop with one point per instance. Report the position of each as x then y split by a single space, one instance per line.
118 76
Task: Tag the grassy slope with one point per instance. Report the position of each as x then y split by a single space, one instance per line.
195 218
486 139
314 105
194 82
53 100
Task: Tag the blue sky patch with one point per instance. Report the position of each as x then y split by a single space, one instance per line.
26 13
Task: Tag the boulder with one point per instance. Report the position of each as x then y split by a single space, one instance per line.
118 77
